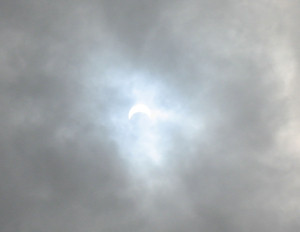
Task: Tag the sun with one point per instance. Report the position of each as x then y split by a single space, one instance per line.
140 108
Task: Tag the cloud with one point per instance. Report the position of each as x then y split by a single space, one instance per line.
225 73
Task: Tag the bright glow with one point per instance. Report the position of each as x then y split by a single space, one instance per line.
140 108
143 143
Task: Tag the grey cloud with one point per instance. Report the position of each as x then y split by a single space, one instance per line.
226 70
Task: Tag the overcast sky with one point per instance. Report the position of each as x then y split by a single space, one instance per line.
224 156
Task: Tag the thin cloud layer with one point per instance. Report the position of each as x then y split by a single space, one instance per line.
223 72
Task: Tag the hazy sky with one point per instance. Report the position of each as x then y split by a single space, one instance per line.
224 156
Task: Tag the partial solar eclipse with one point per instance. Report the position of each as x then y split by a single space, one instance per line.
140 108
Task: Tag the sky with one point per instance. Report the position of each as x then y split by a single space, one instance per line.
223 153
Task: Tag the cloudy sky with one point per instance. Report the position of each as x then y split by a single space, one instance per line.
223 154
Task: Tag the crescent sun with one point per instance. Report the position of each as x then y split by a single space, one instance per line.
139 108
